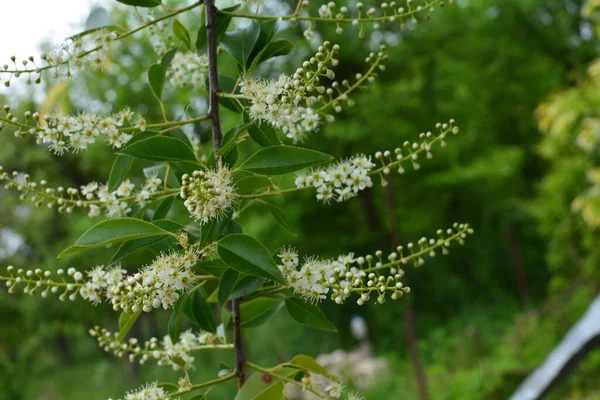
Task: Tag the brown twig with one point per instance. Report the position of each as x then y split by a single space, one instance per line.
213 77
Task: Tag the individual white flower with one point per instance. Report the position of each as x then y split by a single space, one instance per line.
334 389
94 210
125 188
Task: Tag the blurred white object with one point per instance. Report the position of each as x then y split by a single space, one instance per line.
358 327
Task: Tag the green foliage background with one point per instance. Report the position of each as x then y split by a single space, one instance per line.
487 64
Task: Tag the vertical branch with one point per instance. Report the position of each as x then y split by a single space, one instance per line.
213 77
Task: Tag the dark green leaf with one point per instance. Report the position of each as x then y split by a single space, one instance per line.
232 227
250 184
197 310
214 267
307 314
263 134
277 160
245 254
158 72
114 231
163 208
228 281
221 20
119 171
211 231
229 139
245 285
126 321
173 325
280 217
141 3
274 49
227 85
182 34
130 246
257 311
239 43
267 31
161 148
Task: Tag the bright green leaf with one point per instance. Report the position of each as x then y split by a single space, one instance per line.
130 246
161 148
182 34
239 43
158 72
274 49
119 171
307 314
245 254
309 364
163 208
277 160
126 321
228 281
280 217
250 184
114 231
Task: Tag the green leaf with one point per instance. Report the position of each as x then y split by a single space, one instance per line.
173 325
278 160
309 364
182 34
274 49
257 388
126 321
227 85
197 310
161 148
257 311
264 135
307 314
245 285
250 184
163 208
280 217
229 139
130 246
228 281
114 231
211 231
158 72
141 3
239 43
119 171
245 254
221 22
214 267
267 31
98 18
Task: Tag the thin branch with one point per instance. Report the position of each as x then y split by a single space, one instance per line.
213 78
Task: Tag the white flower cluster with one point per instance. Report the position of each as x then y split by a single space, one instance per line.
207 194
97 198
287 103
64 133
189 69
155 285
150 391
316 278
72 56
116 204
320 384
177 355
34 281
340 181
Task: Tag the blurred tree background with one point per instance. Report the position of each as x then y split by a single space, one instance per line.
519 78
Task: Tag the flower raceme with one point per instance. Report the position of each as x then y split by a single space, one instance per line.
96 198
64 133
155 285
343 180
177 355
339 278
297 103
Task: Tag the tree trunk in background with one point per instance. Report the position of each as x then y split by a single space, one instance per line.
409 313
517 260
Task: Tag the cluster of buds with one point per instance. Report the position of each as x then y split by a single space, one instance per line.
341 277
76 54
411 151
176 355
96 198
64 133
361 17
36 281
207 194
150 391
